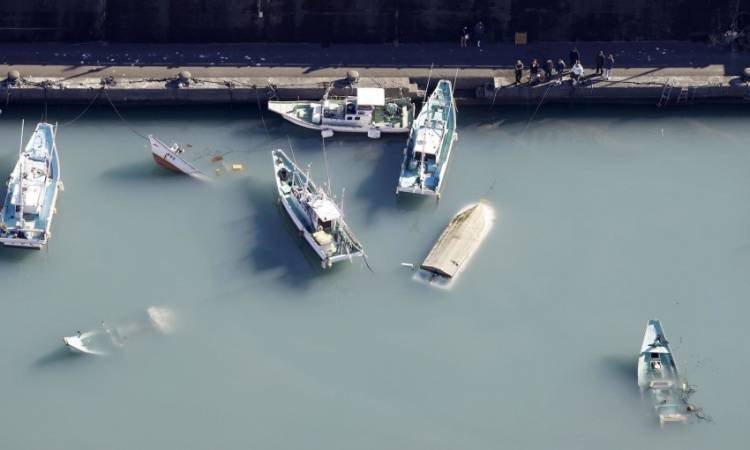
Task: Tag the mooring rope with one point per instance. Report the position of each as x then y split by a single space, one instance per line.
85 110
122 118
260 110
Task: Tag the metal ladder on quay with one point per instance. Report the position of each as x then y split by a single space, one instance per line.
666 93
684 95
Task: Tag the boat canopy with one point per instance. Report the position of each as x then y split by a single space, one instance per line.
370 96
428 141
325 209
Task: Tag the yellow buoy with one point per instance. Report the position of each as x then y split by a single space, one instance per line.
236 167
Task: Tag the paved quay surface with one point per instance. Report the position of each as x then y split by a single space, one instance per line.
478 71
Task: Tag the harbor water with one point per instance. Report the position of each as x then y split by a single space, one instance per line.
605 218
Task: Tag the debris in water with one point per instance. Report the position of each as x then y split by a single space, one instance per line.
217 158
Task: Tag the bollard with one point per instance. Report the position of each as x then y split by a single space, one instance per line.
352 76
14 77
184 78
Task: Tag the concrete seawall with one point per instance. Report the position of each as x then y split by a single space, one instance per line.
646 73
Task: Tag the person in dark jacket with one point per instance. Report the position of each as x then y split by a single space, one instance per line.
549 66
574 56
534 75
478 33
600 63
608 66
560 68
519 71
464 37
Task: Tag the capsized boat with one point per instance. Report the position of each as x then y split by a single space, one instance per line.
107 338
26 215
430 143
318 218
657 375
367 112
170 157
459 241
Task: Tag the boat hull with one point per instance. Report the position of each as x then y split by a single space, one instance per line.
43 139
286 200
168 159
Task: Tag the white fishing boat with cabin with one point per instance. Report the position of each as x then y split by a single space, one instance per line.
317 217
171 157
107 338
366 112
29 205
657 375
430 143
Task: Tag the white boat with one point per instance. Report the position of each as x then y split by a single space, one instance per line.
170 157
430 143
107 338
317 217
657 375
367 112
26 215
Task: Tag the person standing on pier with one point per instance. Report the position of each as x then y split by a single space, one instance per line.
519 71
465 37
549 66
608 66
478 33
574 56
560 68
534 75
600 63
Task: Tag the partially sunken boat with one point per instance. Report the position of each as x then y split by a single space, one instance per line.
26 215
170 157
430 143
367 112
317 217
657 375
107 338
459 240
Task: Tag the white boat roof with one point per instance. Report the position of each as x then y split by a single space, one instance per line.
371 96
325 209
427 141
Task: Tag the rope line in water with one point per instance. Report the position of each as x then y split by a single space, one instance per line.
85 110
120 116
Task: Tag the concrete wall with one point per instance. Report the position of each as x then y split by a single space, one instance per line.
359 20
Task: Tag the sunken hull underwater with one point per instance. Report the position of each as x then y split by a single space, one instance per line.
657 375
26 215
430 143
319 220
367 112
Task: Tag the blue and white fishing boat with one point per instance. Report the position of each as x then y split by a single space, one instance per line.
26 215
430 142
657 375
317 217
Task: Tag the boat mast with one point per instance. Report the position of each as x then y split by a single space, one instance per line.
20 176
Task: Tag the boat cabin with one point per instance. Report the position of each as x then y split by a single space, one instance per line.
324 214
351 111
426 145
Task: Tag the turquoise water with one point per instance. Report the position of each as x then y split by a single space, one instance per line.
605 218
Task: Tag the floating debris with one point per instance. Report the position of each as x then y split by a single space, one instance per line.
217 158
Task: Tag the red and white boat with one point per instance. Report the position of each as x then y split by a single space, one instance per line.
171 158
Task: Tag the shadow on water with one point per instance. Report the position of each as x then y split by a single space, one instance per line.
378 191
139 171
277 246
13 255
57 357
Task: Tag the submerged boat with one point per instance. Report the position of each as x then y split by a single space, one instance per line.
171 158
26 215
367 112
430 142
107 338
314 213
657 375
459 241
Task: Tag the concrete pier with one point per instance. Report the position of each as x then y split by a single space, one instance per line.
645 73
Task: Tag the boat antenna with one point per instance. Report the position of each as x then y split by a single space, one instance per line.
291 149
325 161
342 201
427 87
